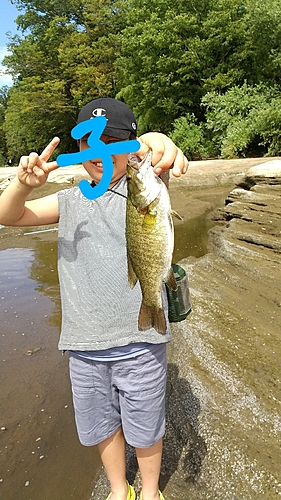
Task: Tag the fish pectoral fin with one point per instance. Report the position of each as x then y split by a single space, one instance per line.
152 317
153 207
170 280
142 210
175 214
132 277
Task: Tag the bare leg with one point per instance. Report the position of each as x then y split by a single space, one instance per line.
149 460
112 452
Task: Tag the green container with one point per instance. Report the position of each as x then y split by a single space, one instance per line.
179 300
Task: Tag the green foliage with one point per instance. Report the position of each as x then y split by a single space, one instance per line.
245 120
174 52
38 111
191 138
65 60
180 64
3 106
156 73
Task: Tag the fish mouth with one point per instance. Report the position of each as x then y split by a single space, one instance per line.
134 162
132 157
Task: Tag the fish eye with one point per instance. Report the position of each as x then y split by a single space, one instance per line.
129 178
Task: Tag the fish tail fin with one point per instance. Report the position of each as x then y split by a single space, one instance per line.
152 317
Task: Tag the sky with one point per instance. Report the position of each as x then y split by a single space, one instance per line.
8 14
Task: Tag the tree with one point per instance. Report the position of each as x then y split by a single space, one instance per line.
177 51
157 75
191 137
3 105
160 56
65 59
36 112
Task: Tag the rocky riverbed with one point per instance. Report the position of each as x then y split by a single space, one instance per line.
224 399
223 393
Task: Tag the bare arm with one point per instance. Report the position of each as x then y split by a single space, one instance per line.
33 172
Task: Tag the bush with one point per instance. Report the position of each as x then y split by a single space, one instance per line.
191 138
245 121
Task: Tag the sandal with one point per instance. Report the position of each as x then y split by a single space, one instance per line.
130 495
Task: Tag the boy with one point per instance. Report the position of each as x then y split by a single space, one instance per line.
118 373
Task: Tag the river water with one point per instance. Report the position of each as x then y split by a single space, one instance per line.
41 457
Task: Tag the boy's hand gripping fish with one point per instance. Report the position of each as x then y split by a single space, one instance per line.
150 239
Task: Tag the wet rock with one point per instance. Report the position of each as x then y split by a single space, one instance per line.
251 219
228 353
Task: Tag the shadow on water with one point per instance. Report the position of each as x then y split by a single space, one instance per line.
43 270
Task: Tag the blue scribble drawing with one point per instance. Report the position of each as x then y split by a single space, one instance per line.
97 149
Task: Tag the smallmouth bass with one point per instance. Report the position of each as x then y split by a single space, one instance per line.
150 240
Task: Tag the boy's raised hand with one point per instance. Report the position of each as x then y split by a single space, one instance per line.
166 155
33 170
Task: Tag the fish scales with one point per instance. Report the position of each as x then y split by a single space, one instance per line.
150 240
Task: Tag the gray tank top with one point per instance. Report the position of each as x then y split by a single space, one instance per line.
99 309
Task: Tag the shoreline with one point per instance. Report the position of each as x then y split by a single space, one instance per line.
201 172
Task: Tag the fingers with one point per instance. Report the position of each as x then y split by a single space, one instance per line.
180 164
167 160
143 147
166 154
29 162
154 141
38 164
172 158
45 155
49 167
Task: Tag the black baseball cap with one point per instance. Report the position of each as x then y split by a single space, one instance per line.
121 122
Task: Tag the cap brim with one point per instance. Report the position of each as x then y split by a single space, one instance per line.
117 133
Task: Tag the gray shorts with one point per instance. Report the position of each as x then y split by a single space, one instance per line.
113 394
